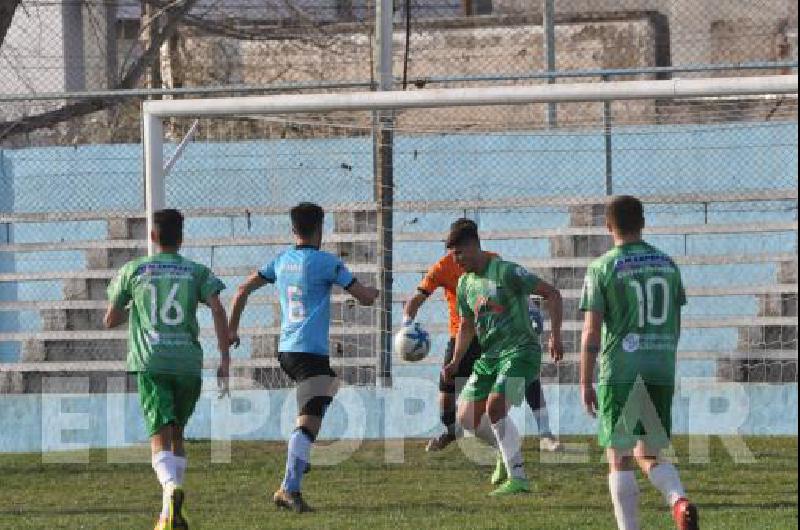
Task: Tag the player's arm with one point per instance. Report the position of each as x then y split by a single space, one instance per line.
341 276
412 306
220 325
593 305
590 347
430 282
465 336
253 282
114 316
118 297
555 308
223 342
364 294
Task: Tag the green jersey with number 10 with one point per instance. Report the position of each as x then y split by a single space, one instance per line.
164 291
639 290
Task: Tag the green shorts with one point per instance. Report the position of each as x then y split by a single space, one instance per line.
509 375
167 398
629 412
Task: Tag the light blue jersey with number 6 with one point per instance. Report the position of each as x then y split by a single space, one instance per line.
304 277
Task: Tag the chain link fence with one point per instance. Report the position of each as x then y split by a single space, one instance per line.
719 175
719 184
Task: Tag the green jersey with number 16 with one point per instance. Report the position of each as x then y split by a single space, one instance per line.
164 291
639 290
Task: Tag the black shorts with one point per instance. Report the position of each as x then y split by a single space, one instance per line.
316 381
464 368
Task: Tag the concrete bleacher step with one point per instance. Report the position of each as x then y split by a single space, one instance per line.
767 338
72 319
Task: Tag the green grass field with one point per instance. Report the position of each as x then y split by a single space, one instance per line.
426 491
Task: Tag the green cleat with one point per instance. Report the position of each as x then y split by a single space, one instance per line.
512 486
177 519
500 474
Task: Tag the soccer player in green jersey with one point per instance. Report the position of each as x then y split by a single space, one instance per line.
632 298
492 297
163 348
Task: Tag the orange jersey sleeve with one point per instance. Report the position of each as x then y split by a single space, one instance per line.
433 278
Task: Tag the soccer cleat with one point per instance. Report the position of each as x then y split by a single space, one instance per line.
177 519
291 500
500 474
512 486
440 442
162 524
685 515
549 443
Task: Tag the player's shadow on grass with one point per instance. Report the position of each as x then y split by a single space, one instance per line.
401 506
747 505
74 511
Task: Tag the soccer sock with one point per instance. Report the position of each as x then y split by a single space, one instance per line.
180 469
164 466
449 420
484 432
297 457
666 480
510 447
625 498
542 421
535 398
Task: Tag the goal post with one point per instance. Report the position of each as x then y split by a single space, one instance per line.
297 108
154 112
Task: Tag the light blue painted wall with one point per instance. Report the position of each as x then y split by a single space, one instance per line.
30 423
647 160
9 321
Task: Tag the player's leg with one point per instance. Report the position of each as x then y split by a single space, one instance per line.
448 391
471 414
661 473
157 403
514 374
534 395
447 407
623 487
186 393
316 386
617 419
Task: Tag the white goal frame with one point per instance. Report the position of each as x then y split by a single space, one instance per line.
155 112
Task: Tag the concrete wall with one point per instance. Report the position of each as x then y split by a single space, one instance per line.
513 47
700 32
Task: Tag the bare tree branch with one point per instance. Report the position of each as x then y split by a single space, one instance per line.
7 10
173 13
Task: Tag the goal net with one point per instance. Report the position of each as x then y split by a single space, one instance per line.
714 162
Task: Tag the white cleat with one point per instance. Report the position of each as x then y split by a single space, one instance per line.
549 444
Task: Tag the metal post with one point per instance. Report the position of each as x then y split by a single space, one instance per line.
154 193
607 134
549 28
384 189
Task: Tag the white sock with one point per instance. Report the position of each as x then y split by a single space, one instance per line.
625 498
180 469
484 432
164 466
510 445
666 480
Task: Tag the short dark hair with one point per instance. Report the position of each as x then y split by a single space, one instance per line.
462 231
168 224
626 214
307 218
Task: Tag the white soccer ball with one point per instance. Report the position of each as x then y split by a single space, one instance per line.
412 343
